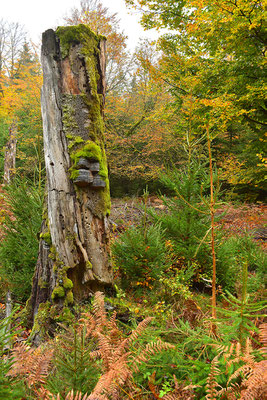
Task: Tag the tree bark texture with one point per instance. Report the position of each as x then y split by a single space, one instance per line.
74 243
10 154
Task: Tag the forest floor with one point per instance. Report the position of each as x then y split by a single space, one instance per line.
236 219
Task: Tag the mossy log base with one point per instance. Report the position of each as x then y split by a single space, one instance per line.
74 245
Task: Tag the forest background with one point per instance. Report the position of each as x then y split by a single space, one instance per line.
213 69
183 117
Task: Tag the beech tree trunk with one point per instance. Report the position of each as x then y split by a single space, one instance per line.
10 154
74 242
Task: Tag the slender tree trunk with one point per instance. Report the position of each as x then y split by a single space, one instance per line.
212 212
8 314
74 243
10 154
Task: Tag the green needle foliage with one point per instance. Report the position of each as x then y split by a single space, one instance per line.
186 222
241 312
232 252
73 366
19 247
140 255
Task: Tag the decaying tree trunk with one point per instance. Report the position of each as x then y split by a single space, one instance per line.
10 154
74 243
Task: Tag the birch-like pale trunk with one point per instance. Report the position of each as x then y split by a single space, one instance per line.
10 154
74 244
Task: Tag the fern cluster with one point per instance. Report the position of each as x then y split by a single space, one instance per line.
115 350
248 380
11 388
94 357
32 366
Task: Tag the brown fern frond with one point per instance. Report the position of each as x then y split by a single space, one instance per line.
44 394
170 396
235 356
263 338
78 396
95 355
248 353
141 327
244 370
256 384
88 321
34 363
20 354
40 367
105 349
99 311
112 322
152 386
212 384
126 343
108 385
254 374
238 349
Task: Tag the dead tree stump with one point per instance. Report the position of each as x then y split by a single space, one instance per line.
74 241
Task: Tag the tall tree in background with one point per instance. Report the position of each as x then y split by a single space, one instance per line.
224 43
10 154
28 78
20 111
11 37
101 21
141 136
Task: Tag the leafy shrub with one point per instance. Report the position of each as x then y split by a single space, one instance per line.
140 255
178 277
19 247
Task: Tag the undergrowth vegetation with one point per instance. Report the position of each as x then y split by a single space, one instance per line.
167 357
154 339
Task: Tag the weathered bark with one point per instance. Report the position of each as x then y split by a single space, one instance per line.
74 245
10 154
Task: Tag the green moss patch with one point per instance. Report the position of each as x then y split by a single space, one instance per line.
74 140
41 321
92 152
46 236
69 298
58 292
71 35
67 283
